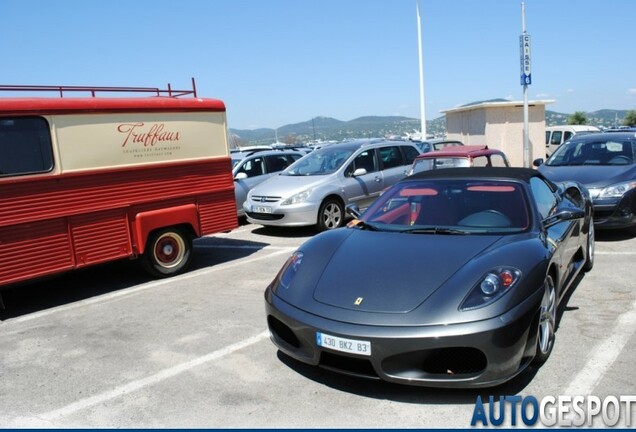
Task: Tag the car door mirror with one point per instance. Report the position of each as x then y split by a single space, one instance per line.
240 176
537 162
353 210
359 172
563 215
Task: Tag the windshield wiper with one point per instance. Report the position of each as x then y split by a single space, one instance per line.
434 230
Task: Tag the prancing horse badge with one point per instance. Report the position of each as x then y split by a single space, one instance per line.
358 301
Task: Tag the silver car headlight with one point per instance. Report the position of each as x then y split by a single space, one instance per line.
297 198
617 190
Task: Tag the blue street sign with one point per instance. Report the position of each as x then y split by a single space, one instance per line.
524 51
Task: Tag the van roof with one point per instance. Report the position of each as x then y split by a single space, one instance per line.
47 105
574 128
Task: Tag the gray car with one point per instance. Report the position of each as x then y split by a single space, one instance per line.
315 189
252 168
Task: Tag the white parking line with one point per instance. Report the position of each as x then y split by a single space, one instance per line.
150 380
150 285
604 355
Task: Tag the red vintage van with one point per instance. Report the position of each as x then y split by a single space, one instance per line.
86 180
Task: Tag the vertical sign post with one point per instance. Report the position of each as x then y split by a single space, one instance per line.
419 50
526 80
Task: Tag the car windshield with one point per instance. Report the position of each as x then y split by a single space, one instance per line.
427 164
320 162
608 151
449 206
235 161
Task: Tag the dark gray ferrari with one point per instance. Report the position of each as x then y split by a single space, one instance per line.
451 278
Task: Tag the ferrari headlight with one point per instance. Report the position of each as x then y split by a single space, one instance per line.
617 190
491 287
289 270
297 198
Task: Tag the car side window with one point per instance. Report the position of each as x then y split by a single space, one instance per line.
276 163
253 167
410 153
497 160
391 157
366 160
25 146
567 135
480 161
544 196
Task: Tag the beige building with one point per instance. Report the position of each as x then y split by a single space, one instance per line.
499 124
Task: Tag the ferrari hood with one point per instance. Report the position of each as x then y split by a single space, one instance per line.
386 272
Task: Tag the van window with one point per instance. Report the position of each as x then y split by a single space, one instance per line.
567 135
25 146
556 137
547 137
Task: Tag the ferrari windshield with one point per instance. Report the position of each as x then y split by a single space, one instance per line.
320 162
450 206
604 151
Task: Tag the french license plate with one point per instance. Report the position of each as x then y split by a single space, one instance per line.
345 345
262 209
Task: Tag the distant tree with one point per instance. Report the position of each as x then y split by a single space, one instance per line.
578 118
630 118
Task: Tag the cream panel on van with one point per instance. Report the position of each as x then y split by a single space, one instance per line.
92 141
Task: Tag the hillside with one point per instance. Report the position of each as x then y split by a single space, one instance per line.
327 128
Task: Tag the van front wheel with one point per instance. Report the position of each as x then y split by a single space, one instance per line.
168 252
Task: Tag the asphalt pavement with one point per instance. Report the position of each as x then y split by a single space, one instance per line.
108 347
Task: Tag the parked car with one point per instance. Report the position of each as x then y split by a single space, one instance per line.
557 135
605 164
452 278
436 144
460 157
255 167
315 189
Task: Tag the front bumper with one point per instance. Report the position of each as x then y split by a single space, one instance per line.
477 354
615 213
305 214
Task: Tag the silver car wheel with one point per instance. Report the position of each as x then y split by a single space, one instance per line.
331 215
547 318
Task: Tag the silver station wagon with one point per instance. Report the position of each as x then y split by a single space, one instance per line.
315 189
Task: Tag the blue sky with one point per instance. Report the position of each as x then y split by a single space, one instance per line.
277 62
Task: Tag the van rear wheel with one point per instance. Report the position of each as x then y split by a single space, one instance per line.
168 252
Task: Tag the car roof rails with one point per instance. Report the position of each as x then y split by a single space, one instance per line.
169 91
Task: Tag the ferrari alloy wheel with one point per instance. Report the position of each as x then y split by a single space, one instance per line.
331 215
168 252
547 321
589 259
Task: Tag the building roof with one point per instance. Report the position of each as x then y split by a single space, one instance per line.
496 104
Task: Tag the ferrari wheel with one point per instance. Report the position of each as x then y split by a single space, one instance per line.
589 259
547 321
330 215
168 252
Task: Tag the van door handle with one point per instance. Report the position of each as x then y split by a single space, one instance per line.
378 179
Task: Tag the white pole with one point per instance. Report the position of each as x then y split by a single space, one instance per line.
526 137
419 46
